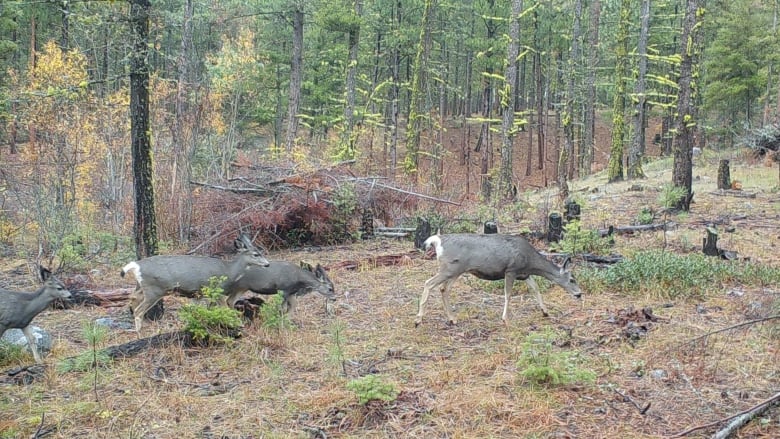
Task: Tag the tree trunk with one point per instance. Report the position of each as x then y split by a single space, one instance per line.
686 116
65 37
636 150
724 176
180 195
145 224
351 86
485 135
615 169
588 136
419 77
508 103
296 76
568 117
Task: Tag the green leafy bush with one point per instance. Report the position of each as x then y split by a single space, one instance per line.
372 387
212 322
541 362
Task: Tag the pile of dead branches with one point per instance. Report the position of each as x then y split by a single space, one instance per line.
288 207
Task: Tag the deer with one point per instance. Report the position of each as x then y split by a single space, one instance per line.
293 281
491 257
18 309
158 276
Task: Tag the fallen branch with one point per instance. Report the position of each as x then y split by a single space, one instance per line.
418 195
744 418
752 411
642 410
235 190
738 325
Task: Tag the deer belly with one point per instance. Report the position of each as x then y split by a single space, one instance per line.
488 275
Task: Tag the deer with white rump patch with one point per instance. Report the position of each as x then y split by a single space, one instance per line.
491 257
293 281
158 276
17 309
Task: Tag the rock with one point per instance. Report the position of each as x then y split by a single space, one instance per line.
659 374
42 338
113 323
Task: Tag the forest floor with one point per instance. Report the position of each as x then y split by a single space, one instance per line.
460 381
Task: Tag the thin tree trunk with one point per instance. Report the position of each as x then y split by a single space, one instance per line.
589 130
636 150
419 76
686 119
505 186
487 111
351 85
296 77
615 169
65 37
568 117
180 195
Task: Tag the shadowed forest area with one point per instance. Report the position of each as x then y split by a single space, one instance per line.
327 133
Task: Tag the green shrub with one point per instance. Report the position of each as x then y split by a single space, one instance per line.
541 362
272 316
645 217
11 353
372 387
212 322
576 240
672 276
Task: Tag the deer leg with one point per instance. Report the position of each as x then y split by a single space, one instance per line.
289 304
445 298
140 311
509 280
535 288
429 284
28 333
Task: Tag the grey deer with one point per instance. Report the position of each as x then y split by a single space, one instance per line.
17 309
491 257
292 280
158 276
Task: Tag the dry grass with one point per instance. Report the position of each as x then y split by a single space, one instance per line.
454 382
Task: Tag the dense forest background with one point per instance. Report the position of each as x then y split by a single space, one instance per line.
469 100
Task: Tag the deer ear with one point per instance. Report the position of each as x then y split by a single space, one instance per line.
320 272
566 265
306 266
45 273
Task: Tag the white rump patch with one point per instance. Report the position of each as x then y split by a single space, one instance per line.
434 241
134 268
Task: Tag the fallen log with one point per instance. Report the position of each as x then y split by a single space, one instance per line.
734 193
624 230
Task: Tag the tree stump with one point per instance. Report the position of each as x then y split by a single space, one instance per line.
422 233
490 227
572 211
724 177
710 243
367 224
554 227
